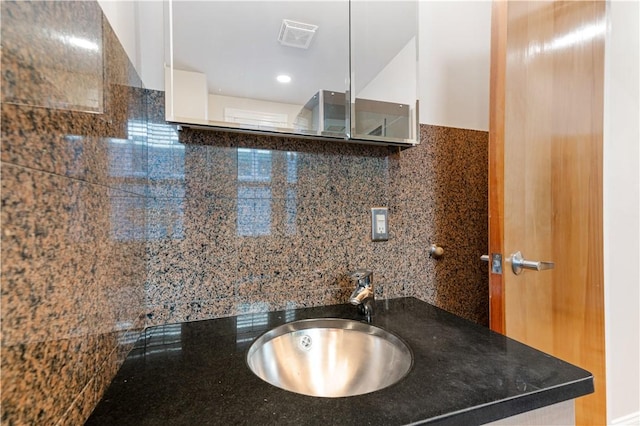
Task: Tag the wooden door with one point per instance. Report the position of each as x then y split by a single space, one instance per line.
545 181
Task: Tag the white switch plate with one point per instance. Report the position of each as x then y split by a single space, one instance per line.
379 224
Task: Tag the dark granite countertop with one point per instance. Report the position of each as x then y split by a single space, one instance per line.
195 374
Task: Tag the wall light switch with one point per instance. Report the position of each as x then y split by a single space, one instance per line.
379 224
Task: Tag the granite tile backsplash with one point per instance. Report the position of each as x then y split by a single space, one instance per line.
247 223
112 220
73 174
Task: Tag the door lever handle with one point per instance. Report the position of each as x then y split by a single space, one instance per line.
518 263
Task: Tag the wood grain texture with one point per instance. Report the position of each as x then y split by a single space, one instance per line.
552 183
496 158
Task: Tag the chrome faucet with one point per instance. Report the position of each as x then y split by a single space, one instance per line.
363 296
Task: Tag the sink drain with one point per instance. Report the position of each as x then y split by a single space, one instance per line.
305 342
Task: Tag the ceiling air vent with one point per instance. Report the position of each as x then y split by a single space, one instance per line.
296 34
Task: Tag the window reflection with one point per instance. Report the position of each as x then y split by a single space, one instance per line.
149 162
290 313
165 217
254 194
166 181
127 218
291 211
252 322
257 181
254 165
254 211
128 170
127 157
249 326
166 154
292 167
291 200
161 340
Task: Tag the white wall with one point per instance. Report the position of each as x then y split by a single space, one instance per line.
123 17
622 213
454 55
139 25
151 36
385 87
190 97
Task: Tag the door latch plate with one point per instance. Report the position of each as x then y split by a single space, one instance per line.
496 263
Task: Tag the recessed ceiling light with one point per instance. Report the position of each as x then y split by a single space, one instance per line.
282 78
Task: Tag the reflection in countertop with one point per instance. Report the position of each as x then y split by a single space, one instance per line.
463 373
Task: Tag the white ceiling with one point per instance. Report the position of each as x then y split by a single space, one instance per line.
235 44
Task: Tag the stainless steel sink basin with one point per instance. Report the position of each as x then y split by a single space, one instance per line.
329 357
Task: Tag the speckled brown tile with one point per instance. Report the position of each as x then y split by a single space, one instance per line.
52 373
73 210
81 407
304 222
443 184
75 83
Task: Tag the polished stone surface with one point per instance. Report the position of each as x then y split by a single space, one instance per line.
196 373
62 63
73 217
250 223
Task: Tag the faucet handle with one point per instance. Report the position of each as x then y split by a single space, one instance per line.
362 276
363 296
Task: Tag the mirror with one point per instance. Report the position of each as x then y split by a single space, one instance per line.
384 70
284 67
